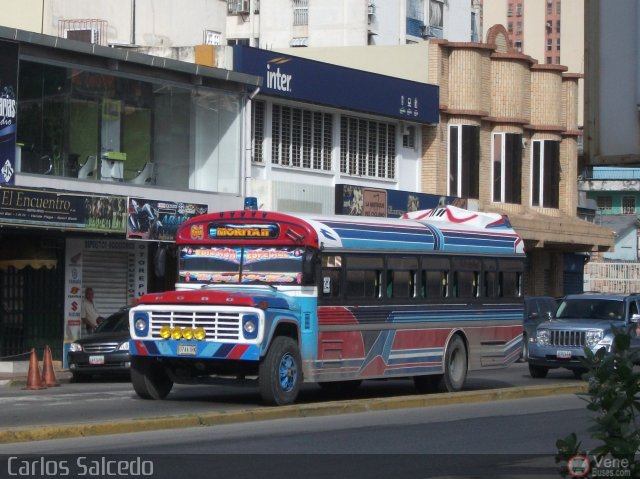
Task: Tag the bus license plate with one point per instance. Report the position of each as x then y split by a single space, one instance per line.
564 354
187 349
96 359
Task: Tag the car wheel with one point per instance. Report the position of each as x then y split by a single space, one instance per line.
455 366
538 371
280 372
149 379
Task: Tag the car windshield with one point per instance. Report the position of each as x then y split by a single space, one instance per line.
591 309
115 323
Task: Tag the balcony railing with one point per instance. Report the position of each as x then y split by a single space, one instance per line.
611 173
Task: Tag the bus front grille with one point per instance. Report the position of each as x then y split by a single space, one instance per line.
219 326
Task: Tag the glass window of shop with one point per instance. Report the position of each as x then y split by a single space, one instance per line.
97 126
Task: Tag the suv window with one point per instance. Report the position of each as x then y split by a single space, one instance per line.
591 309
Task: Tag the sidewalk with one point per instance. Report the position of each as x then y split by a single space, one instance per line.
14 374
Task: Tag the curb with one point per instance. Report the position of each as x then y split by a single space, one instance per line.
42 433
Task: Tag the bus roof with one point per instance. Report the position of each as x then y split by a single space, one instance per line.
448 229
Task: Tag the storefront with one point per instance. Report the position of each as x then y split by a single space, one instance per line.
104 152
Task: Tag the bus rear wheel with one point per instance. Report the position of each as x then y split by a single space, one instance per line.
149 379
280 372
455 366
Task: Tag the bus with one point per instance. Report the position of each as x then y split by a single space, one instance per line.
277 299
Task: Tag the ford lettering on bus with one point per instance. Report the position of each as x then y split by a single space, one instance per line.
280 299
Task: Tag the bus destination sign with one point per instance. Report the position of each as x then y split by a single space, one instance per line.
245 231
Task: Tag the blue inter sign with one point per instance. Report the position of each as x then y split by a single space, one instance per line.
339 87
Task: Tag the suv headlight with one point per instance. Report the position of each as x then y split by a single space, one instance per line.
124 346
593 337
543 337
75 347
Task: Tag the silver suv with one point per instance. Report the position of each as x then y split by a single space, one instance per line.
582 320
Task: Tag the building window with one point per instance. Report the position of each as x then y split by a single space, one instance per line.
558 7
464 161
549 44
409 137
558 26
436 8
300 12
367 148
549 8
519 27
238 41
507 167
545 174
549 60
628 205
518 45
510 27
519 9
605 204
212 37
558 43
257 131
301 138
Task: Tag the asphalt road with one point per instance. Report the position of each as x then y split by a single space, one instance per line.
115 400
498 439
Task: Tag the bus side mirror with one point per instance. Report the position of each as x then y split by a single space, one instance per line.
309 267
635 318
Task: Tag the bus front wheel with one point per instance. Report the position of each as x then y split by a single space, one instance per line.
149 379
455 366
280 372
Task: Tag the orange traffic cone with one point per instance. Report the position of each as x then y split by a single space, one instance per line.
34 381
48 374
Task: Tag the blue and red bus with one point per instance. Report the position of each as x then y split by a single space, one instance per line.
281 299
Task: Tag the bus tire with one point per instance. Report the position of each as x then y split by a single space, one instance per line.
455 366
149 379
341 388
280 372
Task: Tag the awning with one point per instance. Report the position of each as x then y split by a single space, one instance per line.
20 255
299 42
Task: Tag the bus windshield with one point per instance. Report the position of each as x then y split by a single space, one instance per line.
235 264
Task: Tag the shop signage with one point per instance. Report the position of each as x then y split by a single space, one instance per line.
8 111
337 86
61 210
153 220
363 201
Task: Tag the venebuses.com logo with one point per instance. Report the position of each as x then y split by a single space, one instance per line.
582 465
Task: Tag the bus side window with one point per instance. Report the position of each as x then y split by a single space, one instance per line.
510 284
402 284
490 284
435 284
331 276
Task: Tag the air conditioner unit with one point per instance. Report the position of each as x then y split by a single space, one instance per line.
236 7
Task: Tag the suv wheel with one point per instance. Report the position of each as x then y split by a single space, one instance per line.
538 371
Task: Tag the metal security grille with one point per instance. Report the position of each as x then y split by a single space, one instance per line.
301 138
300 12
568 338
367 148
257 130
219 326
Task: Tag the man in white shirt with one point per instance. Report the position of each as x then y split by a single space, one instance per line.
89 314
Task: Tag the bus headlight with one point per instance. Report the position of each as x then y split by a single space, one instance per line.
141 323
199 334
187 333
250 326
176 333
165 332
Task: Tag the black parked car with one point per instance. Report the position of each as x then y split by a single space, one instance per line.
106 351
